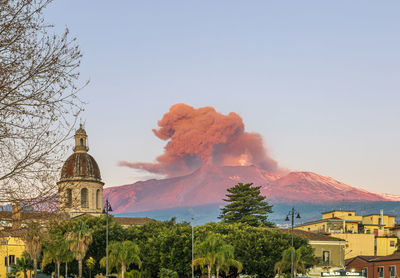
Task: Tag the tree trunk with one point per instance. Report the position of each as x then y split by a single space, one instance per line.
58 269
25 274
209 271
123 269
66 270
35 268
217 269
80 268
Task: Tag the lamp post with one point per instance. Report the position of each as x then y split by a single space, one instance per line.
192 249
106 210
291 213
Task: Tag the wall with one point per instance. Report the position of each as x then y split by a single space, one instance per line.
15 247
358 244
383 246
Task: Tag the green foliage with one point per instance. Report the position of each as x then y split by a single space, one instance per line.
303 260
214 252
246 205
168 273
122 255
258 248
163 245
23 264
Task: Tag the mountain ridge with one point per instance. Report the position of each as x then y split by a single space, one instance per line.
208 185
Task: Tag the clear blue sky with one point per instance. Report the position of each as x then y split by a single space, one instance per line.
318 79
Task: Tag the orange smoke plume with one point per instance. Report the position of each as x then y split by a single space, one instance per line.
201 136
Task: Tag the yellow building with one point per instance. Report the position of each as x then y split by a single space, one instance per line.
11 248
369 235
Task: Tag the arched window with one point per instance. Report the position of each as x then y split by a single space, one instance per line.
98 199
69 198
84 198
81 142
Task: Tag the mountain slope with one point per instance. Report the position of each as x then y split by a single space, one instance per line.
208 185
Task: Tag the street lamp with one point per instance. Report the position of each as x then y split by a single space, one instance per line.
106 210
291 213
192 249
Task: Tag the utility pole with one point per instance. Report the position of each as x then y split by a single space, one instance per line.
192 248
291 213
106 210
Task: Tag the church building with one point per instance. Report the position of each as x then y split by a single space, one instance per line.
80 187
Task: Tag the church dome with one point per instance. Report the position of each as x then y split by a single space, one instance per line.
80 165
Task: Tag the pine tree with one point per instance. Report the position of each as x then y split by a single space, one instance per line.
246 205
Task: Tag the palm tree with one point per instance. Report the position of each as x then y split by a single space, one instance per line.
90 263
55 248
23 264
215 252
33 243
302 260
226 259
79 239
122 255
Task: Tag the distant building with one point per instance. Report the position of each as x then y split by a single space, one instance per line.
369 235
376 266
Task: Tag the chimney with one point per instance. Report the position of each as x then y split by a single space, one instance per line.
381 217
16 215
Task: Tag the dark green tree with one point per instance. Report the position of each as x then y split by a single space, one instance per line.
246 205
23 264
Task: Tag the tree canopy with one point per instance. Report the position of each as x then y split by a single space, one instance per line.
246 205
38 100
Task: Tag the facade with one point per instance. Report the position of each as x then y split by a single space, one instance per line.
376 266
329 250
369 235
80 187
11 248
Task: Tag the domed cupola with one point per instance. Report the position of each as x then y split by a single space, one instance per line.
80 186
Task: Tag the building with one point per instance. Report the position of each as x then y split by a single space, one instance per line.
328 249
376 266
11 247
80 189
369 235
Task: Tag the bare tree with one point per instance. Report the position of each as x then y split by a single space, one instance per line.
38 101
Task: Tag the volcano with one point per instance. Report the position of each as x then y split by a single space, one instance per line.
209 184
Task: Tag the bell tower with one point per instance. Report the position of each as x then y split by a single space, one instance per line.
80 187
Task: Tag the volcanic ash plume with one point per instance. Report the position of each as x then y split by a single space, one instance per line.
204 136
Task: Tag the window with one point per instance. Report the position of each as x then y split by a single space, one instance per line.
81 142
84 198
380 271
69 198
325 256
392 243
10 260
98 199
349 214
368 232
365 272
392 271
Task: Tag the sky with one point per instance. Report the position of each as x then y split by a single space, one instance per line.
319 80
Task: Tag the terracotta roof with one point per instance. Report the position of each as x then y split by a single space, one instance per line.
27 215
311 235
393 257
133 220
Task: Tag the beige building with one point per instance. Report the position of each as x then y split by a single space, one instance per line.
369 235
80 187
